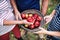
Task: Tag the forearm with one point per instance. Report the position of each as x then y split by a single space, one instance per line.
53 12
13 3
53 33
11 22
44 6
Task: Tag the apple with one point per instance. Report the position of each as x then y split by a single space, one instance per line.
30 14
39 18
33 19
29 19
32 26
26 25
37 23
23 15
26 16
35 16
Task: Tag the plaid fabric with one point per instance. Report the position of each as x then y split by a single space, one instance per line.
55 22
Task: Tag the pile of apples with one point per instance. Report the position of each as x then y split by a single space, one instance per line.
35 18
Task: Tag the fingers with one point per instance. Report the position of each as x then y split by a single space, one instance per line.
41 28
46 22
37 32
40 31
20 17
16 17
47 19
28 23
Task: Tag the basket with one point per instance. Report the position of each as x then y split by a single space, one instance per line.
41 23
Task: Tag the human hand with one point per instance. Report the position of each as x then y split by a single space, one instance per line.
42 31
17 15
47 19
26 22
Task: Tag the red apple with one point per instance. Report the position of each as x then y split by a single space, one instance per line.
30 15
37 23
35 16
31 26
29 19
23 15
39 18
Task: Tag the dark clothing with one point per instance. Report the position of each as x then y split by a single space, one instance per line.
52 38
28 4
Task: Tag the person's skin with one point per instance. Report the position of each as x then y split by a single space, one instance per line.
12 22
17 13
43 31
44 6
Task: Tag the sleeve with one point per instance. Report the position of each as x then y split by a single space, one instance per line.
1 22
57 7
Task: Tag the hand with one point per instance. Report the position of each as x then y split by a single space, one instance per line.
26 22
42 31
18 15
48 18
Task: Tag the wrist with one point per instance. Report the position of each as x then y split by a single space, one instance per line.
51 15
19 22
16 12
45 32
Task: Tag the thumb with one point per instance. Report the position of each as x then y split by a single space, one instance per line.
29 23
41 28
47 22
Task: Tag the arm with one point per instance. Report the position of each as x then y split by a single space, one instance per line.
44 6
13 3
53 12
17 13
43 31
48 18
11 22
53 33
